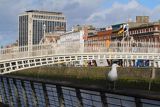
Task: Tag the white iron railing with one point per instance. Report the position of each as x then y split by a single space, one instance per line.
97 47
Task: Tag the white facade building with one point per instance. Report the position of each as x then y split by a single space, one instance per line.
73 41
33 25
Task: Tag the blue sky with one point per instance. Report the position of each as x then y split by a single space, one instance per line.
150 3
97 12
147 3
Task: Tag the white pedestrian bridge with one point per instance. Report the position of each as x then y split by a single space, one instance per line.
18 58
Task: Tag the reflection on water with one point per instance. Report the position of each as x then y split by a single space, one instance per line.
23 93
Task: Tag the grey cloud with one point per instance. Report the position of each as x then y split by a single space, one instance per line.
76 11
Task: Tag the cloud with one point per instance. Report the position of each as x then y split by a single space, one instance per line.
120 12
76 12
95 12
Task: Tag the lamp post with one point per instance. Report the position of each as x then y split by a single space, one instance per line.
44 30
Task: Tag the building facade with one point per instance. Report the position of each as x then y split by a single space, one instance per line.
72 40
34 24
50 38
147 32
142 19
143 32
100 39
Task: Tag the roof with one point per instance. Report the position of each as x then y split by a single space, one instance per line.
38 11
145 25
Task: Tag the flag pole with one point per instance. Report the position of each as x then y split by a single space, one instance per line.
123 41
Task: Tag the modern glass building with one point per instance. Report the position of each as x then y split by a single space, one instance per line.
33 25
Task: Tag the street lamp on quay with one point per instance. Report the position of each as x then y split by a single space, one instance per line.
125 34
44 30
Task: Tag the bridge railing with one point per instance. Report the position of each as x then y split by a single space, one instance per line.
55 49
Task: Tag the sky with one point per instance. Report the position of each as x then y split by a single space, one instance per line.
99 13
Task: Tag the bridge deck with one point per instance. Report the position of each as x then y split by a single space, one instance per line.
13 59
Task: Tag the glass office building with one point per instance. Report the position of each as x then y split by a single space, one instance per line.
34 24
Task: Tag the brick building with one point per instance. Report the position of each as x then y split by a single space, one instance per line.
142 32
100 39
146 32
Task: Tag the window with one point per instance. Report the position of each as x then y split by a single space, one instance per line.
156 28
13 90
52 95
39 94
29 94
91 98
6 91
119 100
2 94
70 98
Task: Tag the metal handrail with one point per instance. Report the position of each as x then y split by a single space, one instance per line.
55 49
